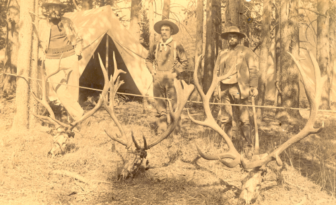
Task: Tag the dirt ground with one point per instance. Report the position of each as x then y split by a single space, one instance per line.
86 174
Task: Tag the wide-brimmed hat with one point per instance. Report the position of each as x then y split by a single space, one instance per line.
53 2
232 29
159 24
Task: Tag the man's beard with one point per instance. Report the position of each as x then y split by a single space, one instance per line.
233 43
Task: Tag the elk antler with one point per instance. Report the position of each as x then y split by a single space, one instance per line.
45 103
211 122
314 97
183 92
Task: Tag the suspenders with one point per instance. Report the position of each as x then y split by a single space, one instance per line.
157 51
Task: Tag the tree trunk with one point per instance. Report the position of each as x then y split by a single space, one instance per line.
217 21
277 67
322 48
232 13
135 14
8 83
33 104
199 43
264 52
25 38
289 74
151 24
166 9
87 5
209 48
332 44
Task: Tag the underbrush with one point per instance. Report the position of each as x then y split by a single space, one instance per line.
176 175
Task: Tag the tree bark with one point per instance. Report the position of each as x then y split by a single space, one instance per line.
217 21
209 48
25 38
332 54
289 74
232 13
199 32
8 83
322 48
264 52
135 12
87 4
33 104
151 24
166 9
277 67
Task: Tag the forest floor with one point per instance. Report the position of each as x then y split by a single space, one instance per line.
28 176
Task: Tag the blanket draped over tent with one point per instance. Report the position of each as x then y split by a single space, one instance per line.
98 24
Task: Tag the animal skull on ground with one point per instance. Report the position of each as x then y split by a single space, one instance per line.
133 165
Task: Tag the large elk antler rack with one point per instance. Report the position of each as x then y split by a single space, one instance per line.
183 91
232 158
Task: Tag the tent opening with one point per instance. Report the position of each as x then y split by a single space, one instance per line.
92 76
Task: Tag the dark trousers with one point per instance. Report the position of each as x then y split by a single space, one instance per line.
230 94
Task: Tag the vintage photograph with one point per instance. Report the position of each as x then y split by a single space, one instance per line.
167 102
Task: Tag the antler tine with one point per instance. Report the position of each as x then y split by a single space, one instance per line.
183 95
117 71
211 122
314 96
101 98
118 140
113 86
233 163
135 142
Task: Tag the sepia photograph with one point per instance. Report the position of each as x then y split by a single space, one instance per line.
167 102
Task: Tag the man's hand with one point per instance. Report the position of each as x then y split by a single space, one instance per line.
253 92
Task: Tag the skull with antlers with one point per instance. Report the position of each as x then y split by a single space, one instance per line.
256 165
183 92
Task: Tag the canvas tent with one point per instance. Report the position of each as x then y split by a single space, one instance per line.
98 28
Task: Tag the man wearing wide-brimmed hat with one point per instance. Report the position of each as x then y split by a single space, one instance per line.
59 38
241 63
166 61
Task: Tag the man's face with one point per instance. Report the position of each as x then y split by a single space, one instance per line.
54 11
233 39
165 32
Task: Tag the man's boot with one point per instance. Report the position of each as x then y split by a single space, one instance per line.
247 134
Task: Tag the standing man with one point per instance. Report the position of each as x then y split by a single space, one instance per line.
59 38
241 63
166 61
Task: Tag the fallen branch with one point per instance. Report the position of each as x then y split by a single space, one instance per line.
71 174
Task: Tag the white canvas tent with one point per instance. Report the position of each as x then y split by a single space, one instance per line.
97 26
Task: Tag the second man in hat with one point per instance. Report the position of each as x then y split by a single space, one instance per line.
166 61
241 63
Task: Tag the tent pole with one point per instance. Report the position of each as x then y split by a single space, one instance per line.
106 60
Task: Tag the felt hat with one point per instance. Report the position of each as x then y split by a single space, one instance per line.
159 24
232 30
53 2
